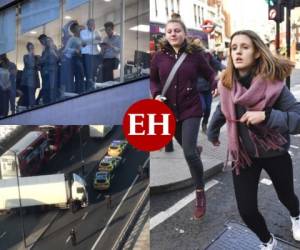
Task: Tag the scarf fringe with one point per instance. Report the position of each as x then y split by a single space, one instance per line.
239 158
271 140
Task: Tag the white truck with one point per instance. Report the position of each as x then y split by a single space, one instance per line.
43 190
99 131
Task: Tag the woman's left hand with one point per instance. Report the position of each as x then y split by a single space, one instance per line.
253 117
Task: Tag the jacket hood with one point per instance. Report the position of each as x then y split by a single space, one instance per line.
188 46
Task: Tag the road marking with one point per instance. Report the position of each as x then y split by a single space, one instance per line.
115 212
68 239
164 215
52 156
295 147
72 157
98 196
266 181
2 235
291 153
85 215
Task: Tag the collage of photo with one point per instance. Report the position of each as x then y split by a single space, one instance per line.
74 174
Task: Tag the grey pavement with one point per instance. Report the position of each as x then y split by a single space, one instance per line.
169 171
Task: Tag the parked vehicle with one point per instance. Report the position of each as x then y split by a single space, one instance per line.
59 135
26 157
102 180
99 131
117 148
109 163
43 190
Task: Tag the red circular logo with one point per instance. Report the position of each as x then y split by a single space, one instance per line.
149 125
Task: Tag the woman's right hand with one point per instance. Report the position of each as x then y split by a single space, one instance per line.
160 98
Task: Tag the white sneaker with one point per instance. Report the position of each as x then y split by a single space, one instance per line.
296 227
270 245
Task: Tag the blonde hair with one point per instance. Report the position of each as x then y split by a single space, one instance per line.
267 65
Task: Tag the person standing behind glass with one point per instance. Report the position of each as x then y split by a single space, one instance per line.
30 77
110 49
5 85
43 40
90 53
12 68
72 65
49 65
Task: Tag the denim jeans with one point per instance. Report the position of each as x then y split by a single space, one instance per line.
206 100
90 63
186 134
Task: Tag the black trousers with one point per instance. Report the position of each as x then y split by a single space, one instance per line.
186 134
108 69
280 170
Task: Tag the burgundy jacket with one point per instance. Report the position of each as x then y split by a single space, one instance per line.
182 95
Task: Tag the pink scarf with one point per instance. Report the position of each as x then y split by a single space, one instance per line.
261 94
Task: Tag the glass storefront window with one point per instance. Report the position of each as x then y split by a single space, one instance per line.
64 48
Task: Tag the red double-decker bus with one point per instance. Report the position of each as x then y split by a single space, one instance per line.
26 157
59 135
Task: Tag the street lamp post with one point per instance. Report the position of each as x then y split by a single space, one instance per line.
20 202
81 152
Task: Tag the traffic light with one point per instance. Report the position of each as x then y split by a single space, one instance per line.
276 11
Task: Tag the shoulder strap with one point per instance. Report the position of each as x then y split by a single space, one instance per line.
172 73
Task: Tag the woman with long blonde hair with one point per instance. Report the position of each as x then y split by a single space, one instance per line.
260 112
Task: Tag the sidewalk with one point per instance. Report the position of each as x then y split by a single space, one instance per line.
169 171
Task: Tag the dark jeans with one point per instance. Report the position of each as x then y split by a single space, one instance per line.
280 170
107 69
12 94
186 134
30 96
206 100
90 64
50 85
66 76
78 74
4 102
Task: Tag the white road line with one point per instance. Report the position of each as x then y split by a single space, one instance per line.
85 215
295 147
68 239
98 196
72 157
291 153
164 215
113 215
2 235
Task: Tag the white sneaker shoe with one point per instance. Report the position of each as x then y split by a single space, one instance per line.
270 245
296 227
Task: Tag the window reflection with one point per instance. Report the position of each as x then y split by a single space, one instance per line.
61 49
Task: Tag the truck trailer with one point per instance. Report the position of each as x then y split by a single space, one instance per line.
43 190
